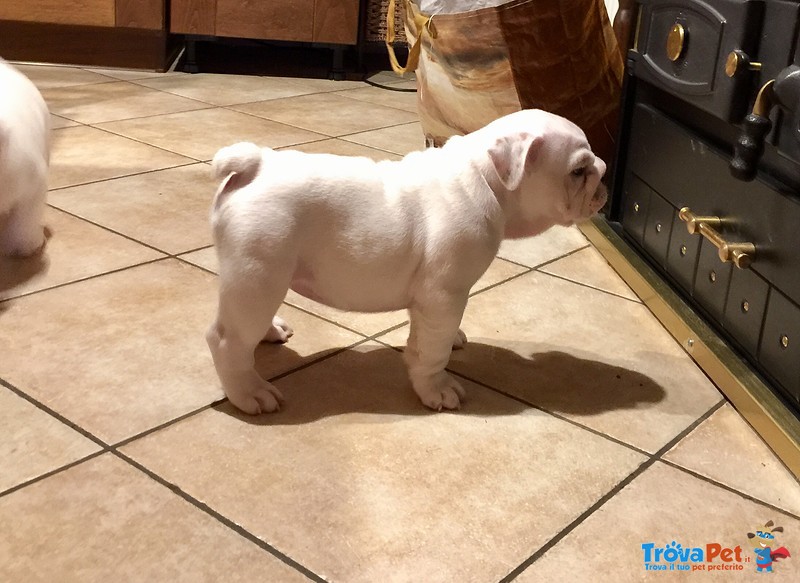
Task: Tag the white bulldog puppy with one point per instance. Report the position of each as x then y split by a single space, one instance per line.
24 160
368 236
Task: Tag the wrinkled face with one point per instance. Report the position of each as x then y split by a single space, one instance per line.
548 174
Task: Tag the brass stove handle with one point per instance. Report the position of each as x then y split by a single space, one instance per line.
739 61
741 254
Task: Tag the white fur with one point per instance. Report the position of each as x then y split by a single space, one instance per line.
372 236
24 160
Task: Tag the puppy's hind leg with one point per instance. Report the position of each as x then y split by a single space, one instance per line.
279 332
247 306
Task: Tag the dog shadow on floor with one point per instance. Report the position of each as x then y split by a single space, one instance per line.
372 380
15 271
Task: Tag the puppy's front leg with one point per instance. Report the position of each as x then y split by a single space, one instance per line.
24 230
434 325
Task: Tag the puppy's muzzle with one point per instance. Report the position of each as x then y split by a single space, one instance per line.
599 198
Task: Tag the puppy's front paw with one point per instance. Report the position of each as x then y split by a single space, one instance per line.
460 340
264 398
280 331
441 391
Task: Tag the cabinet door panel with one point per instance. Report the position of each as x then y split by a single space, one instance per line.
290 20
147 14
86 12
336 21
193 16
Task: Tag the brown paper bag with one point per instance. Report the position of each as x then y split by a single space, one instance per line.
473 67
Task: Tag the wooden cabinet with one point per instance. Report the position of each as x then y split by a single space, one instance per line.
146 14
110 33
321 21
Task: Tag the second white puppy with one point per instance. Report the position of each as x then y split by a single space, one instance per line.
24 160
368 236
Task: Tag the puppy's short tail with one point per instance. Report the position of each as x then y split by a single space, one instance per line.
243 158
236 166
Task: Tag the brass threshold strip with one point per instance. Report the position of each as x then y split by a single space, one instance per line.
748 394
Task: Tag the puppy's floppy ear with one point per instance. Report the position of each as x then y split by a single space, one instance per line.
512 155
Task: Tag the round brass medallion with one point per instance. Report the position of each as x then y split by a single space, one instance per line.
675 42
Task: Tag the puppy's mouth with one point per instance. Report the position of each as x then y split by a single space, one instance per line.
599 198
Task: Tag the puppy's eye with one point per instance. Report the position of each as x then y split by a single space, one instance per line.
579 172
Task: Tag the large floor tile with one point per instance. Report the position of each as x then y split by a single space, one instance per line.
726 449
84 154
406 100
103 521
665 506
112 101
401 139
117 354
551 244
167 209
200 134
49 76
601 360
227 89
375 488
75 250
314 112
344 148
590 268
33 442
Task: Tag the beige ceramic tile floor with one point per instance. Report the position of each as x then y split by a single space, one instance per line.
587 431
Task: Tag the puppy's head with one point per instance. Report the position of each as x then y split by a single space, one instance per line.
545 172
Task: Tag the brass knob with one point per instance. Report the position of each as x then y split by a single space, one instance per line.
675 41
740 254
738 61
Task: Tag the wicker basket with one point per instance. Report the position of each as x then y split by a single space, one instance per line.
376 22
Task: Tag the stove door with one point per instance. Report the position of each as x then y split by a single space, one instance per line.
701 52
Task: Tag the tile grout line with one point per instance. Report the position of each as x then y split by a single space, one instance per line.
192 162
559 416
225 521
138 141
588 286
548 261
105 228
82 279
324 136
52 472
533 406
42 407
730 489
610 494
112 449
